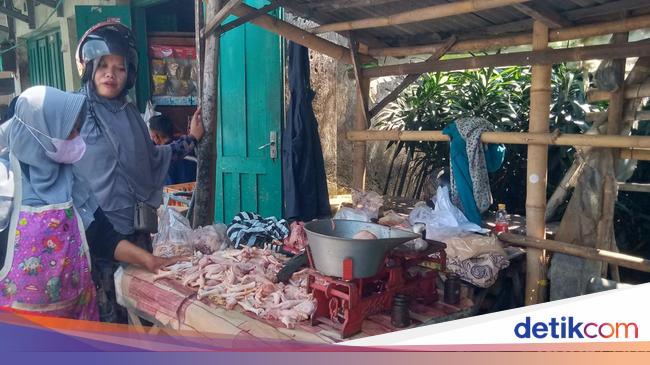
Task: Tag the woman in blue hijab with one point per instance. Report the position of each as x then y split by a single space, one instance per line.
124 168
55 223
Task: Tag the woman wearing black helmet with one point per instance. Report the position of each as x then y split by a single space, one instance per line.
125 170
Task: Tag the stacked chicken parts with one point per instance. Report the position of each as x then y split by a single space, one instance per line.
247 278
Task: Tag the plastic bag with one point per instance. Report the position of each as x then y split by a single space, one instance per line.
209 239
467 246
172 237
445 220
352 214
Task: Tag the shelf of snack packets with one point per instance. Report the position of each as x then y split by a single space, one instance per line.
173 75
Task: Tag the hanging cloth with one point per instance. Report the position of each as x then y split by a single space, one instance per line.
304 181
470 161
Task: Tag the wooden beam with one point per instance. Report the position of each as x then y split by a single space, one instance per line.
346 4
31 14
53 4
491 43
570 15
632 262
362 100
640 154
550 56
634 187
223 13
555 139
544 14
300 36
638 115
604 9
409 79
12 12
245 19
631 92
417 15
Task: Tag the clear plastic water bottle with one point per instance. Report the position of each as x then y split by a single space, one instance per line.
501 221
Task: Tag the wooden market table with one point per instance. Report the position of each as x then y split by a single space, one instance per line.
168 304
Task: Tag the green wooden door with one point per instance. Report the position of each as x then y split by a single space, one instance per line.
46 60
88 15
250 109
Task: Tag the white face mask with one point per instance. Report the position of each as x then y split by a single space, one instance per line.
67 151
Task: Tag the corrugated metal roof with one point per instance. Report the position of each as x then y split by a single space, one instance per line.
488 22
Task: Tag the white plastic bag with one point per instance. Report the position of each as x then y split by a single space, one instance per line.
172 237
445 220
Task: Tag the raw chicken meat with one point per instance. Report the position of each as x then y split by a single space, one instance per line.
297 240
247 278
364 235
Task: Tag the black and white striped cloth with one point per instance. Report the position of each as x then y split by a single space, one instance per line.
250 229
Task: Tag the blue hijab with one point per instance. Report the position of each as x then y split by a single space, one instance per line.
44 182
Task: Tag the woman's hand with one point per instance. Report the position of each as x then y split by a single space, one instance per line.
196 126
156 263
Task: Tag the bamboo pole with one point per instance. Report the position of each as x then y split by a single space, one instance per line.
631 262
299 36
634 187
359 147
554 139
568 181
203 213
605 233
536 170
409 79
417 15
547 56
635 154
641 90
492 43
628 116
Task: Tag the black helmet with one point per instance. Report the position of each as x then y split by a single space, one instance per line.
107 38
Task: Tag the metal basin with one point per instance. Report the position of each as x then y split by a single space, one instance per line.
331 242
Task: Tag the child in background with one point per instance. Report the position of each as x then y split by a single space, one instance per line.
161 130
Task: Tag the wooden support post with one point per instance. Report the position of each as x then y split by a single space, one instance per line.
605 234
203 213
362 98
359 147
632 262
536 170
409 79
